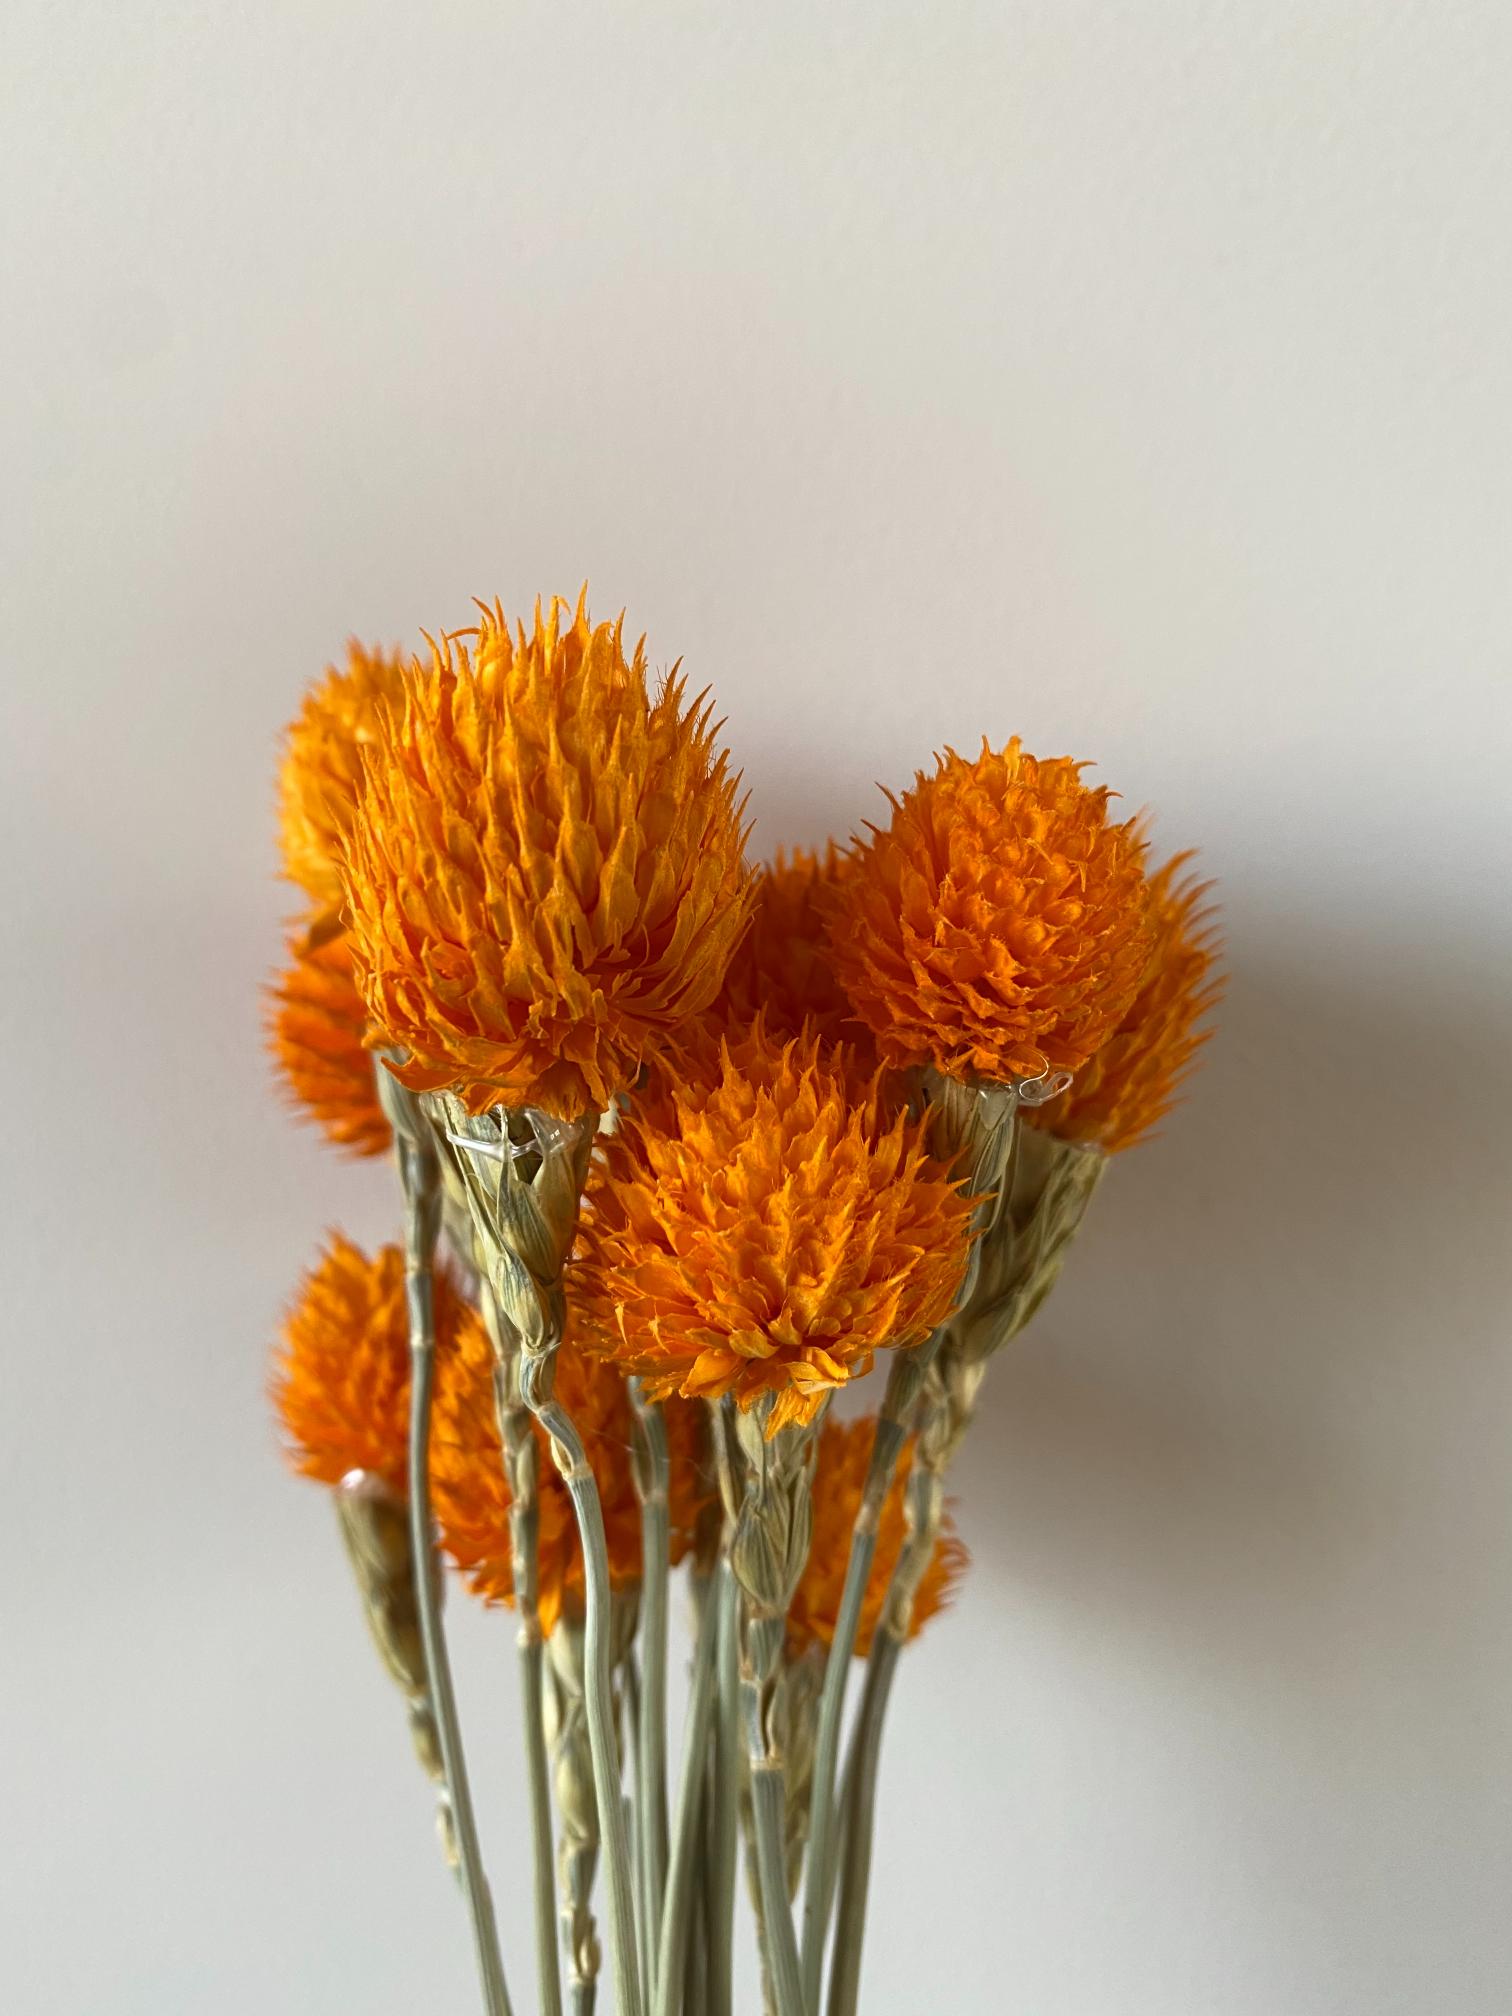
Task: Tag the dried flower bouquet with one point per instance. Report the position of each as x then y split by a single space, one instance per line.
699 1141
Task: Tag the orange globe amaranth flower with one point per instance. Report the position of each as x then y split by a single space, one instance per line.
322 768
839 1477
998 927
544 873
316 1026
471 1494
783 967
765 1229
341 1380
1133 1081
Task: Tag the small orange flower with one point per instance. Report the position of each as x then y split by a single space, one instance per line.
844 1452
341 1381
472 1497
316 1025
322 767
766 1229
998 926
783 966
544 873
1132 1082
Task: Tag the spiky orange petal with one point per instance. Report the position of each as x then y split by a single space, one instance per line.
1133 1081
766 1229
341 1378
998 927
322 765
316 1026
844 1452
544 871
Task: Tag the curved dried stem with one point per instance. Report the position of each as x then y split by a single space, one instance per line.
974 1127
524 1171
724 1785
819 1884
652 1471
572 1464
518 1444
420 1181
861 1790
677 1913
1041 1197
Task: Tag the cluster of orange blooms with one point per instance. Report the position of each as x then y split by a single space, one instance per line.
526 882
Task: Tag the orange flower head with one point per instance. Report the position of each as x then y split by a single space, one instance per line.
1132 1083
844 1452
765 1229
341 1380
322 767
472 1497
316 1025
783 966
544 874
998 927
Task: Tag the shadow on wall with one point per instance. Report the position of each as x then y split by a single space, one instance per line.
1263 1415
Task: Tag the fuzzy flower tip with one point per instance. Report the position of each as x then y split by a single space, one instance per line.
1134 1080
844 1452
998 927
471 1495
341 1381
316 1025
322 767
765 1229
783 966
544 871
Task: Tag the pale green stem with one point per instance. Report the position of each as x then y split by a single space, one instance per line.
687 1834
861 1781
572 1462
925 1508
532 1692
578 1862
695 2000
704 1592
724 1769
517 1438
653 1472
904 1380
992 1175
419 1176
759 1658
758 1909
630 1697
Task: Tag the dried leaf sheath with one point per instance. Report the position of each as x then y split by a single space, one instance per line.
375 1528
769 1478
524 1172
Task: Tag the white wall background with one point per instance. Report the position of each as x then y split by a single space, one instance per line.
1136 378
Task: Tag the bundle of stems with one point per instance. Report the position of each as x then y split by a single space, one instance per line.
762 1734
